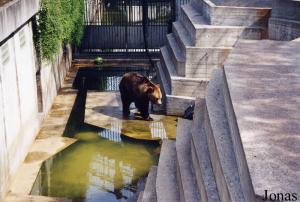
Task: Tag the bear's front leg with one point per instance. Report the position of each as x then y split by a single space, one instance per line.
144 109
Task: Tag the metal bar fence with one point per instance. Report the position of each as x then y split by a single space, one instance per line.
115 27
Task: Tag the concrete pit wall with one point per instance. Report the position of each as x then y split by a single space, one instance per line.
284 24
20 114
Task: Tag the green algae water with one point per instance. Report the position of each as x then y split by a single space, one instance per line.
100 166
104 164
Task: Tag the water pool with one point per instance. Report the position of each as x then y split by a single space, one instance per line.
104 164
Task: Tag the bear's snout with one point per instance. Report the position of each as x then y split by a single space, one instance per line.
159 102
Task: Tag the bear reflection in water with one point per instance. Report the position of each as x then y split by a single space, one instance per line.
140 90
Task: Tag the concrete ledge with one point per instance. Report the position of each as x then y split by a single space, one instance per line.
16 13
283 29
176 105
242 166
286 9
267 111
237 13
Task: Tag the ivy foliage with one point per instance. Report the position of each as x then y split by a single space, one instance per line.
58 22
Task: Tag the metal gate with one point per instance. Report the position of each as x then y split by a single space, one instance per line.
126 27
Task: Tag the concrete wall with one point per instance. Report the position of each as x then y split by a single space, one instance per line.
14 14
284 24
20 118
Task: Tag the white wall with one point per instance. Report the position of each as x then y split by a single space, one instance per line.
19 117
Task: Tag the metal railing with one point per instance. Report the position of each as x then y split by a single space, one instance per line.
127 26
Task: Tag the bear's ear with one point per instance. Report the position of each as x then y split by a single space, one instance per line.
150 89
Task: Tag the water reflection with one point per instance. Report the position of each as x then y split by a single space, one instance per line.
143 130
113 133
101 166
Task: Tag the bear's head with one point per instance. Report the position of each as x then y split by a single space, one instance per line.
154 93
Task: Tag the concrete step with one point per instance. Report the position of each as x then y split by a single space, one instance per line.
149 194
176 105
176 54
220 143
140 197
172 104
201 158
205 35
182 36
186 175
167 63
199 62
166 181
234 13
190 87
181 86
244 3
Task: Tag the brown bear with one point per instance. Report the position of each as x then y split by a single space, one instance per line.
140 90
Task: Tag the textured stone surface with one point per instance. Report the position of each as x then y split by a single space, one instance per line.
205 35
149 194
220 143
180 86
284 24
243 3
14 14
185 169
265 94
166 182
283 30
176 105
201 158
286 9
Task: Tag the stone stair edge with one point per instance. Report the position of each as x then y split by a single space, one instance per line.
167 60
171 40
220 140
174 77
188 44
205 25
242 164
186 173
205 177
149 193
213 5
166 182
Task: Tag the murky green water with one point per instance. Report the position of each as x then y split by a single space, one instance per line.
103 165
100 166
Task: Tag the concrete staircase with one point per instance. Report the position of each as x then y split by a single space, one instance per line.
201 165
201 41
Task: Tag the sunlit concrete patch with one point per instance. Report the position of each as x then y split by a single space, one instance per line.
41 150
104 110
265 97
26 198
55 122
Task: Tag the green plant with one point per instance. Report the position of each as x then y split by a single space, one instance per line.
58 22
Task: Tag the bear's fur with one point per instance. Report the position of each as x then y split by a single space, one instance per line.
140 90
